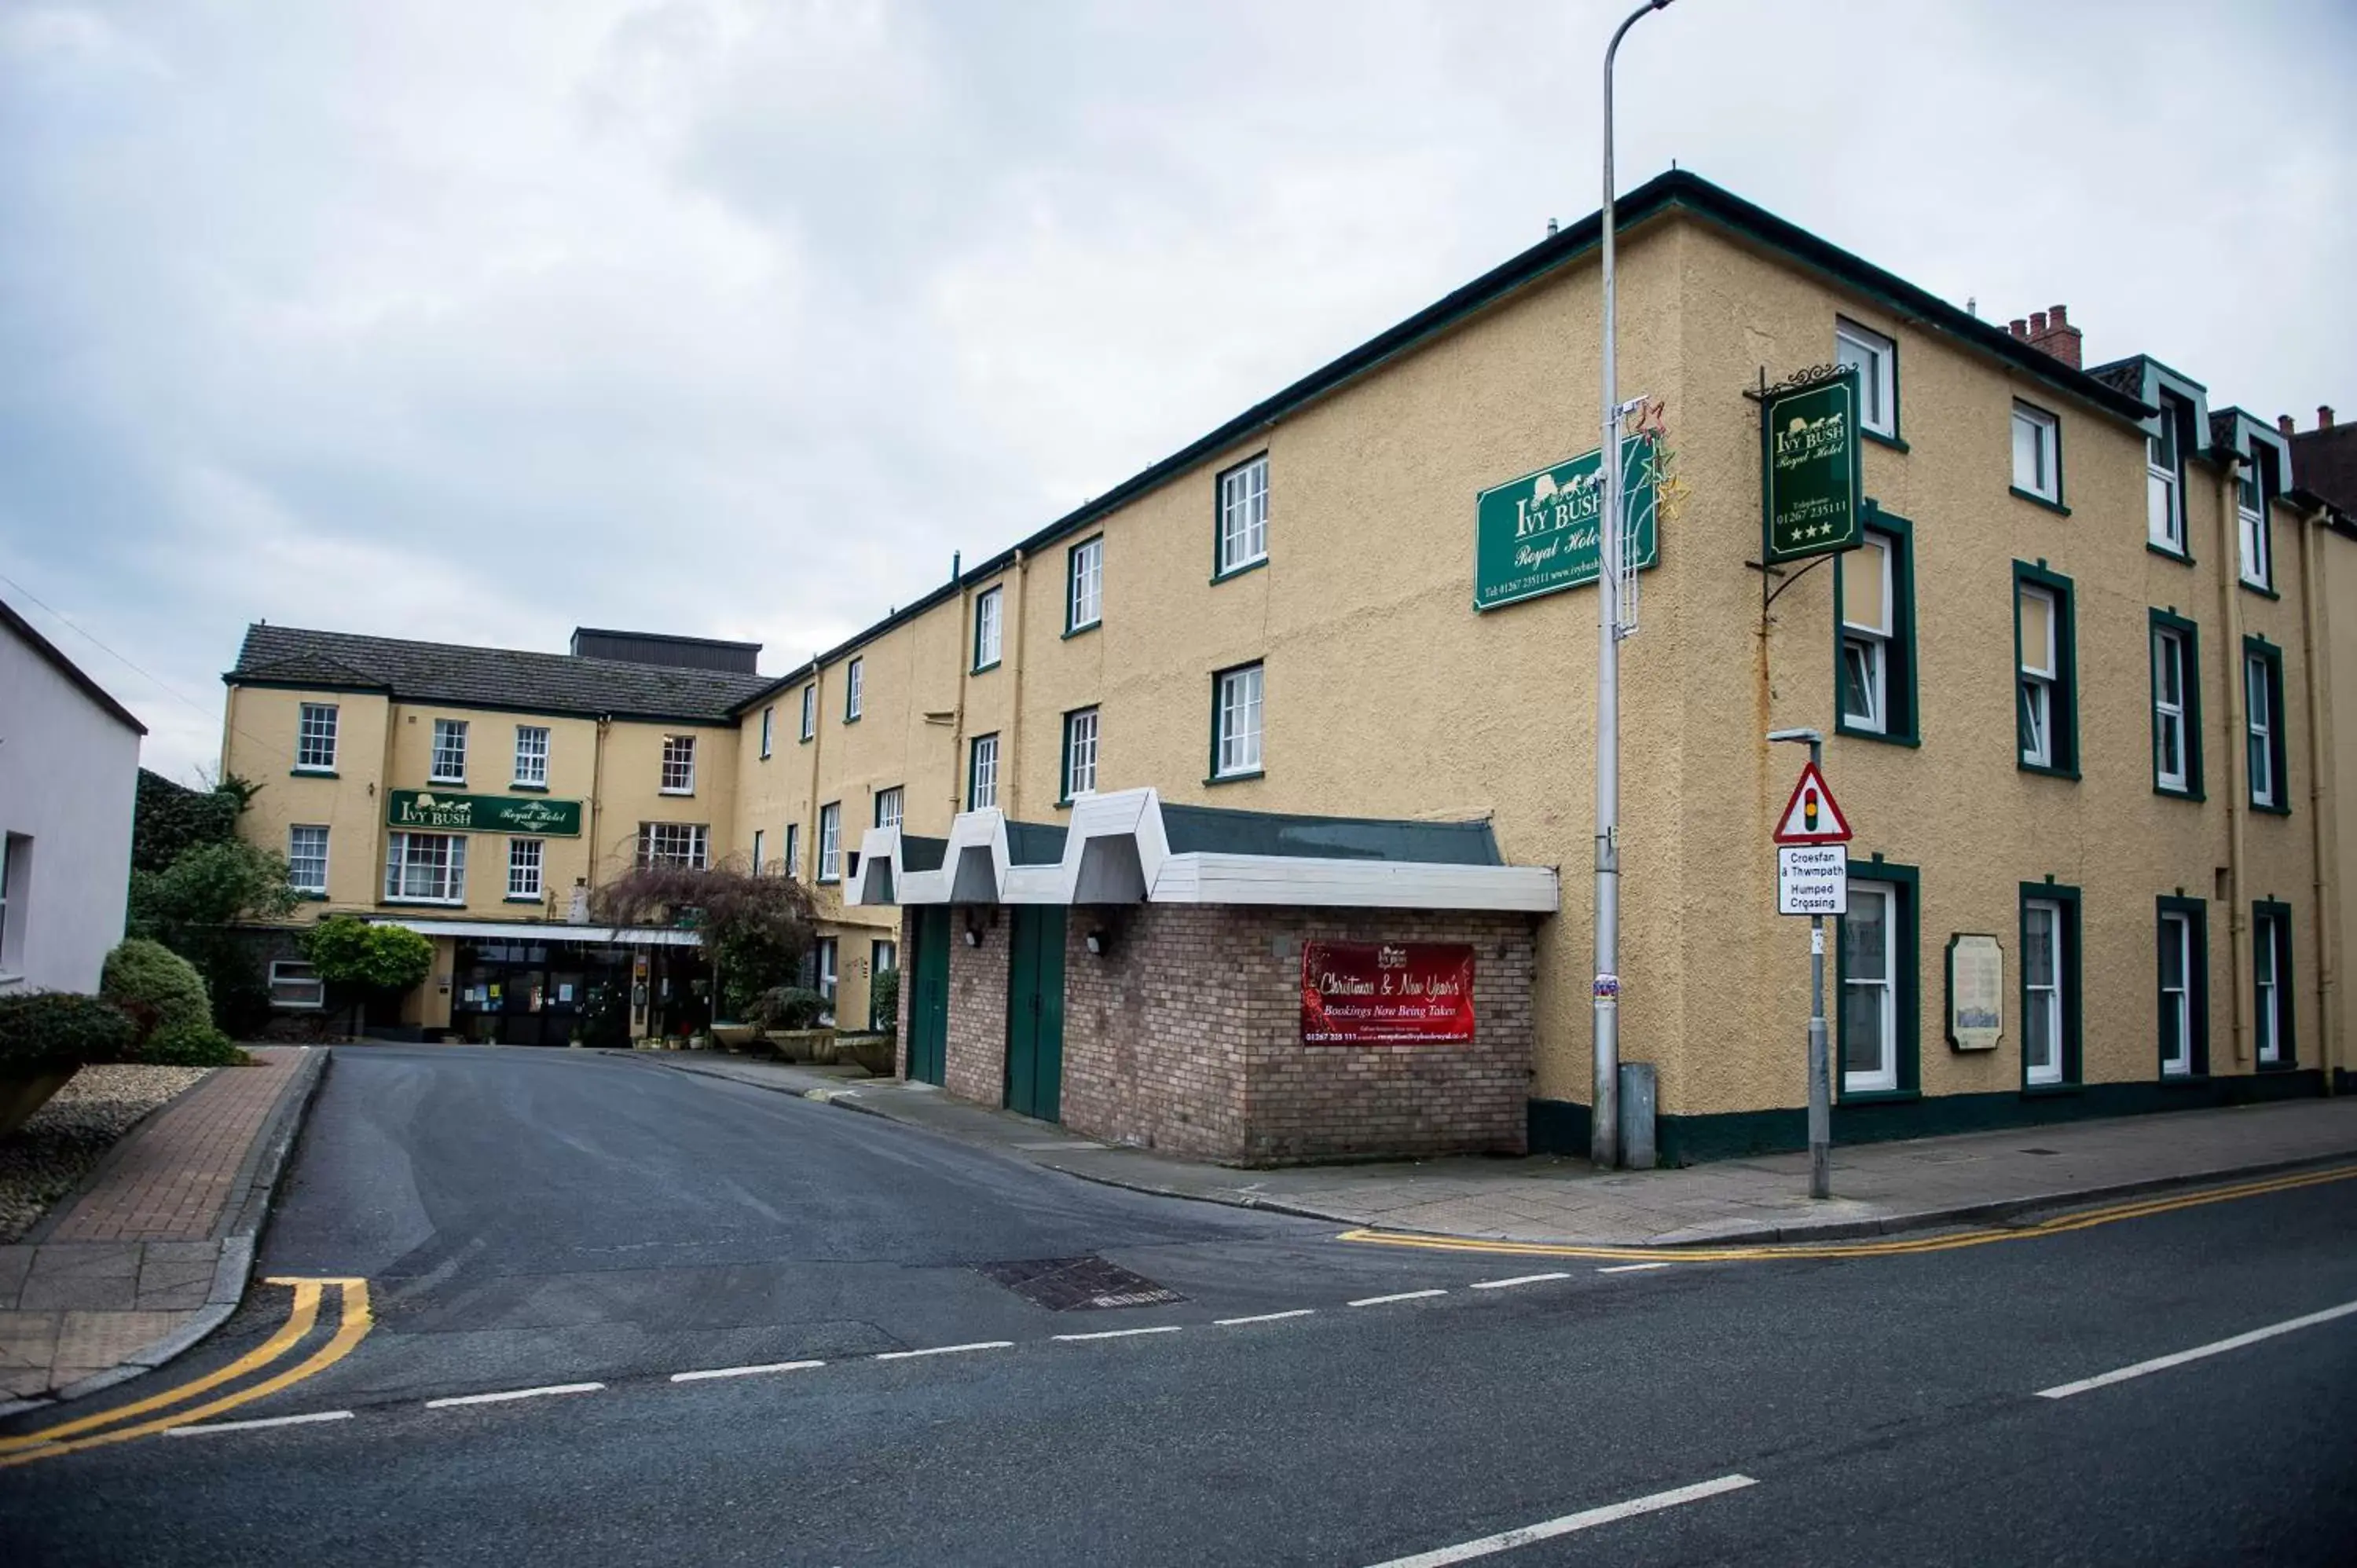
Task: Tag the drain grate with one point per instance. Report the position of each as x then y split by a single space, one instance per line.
1076 1285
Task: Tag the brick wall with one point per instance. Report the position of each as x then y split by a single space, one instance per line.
976 1066
1186 1037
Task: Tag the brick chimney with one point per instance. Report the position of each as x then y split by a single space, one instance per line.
2324 416
2051 330
2285 425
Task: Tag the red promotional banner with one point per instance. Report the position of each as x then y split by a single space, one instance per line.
1386 993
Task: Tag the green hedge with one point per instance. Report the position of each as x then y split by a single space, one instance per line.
51 1031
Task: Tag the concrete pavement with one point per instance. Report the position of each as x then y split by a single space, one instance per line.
1879 1188
153 1253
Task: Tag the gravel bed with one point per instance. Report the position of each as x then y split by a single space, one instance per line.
46 1157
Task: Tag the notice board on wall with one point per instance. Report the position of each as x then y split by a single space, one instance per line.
1386 993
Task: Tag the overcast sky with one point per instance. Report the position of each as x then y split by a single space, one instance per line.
478 322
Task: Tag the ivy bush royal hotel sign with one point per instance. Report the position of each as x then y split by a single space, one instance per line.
438 809
1538 534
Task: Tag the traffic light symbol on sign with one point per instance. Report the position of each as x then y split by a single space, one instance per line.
1811 815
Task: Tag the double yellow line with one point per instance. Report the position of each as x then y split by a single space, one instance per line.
107 1427
1942 1242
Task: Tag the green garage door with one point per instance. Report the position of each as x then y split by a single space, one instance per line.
928 1005
1035 1012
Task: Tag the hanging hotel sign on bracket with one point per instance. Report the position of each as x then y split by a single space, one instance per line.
1810 475
1538 534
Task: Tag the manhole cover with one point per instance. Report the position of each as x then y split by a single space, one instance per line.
1072 1285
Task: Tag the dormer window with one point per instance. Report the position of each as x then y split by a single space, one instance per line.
2165 478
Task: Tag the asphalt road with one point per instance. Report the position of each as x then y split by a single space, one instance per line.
528 1219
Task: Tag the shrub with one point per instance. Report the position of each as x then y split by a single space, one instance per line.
883 1002
353 952
788 1007
160 991
200 1046
50 1031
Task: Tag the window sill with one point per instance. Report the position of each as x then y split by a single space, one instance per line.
1881 738
830 881
2184 1081
458 783
806 740
1235 777
1073 632
677 794
2262 589
2271 811
519 898
423 903
2069 773
850 719
2166 553
2034 499
765 756
2051 1091
1877 1096
1225 573
308 895
2165 793
528 788
313 772
2286 1065
1894 441
985 669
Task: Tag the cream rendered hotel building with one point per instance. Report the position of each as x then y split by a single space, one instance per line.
2073 690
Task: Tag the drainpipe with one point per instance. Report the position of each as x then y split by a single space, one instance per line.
964 653
1009 766
2324 827
817 743
2230 621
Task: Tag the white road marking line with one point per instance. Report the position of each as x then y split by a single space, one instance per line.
1262 1317
1517 1280
2162 1363
1404 1295
945 1349
1631 1268
207 1429
1506 1541
515 1394
744 1371
1121 1332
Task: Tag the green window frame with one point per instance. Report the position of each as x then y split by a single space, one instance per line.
1233 700
2263 735
981 756
1876 355
1239 519
2195 984
1906 980
1082 730
989 627
2059 677
855 690
2070 995
1084 586
2160 623
1859 686
2047 450
2271 986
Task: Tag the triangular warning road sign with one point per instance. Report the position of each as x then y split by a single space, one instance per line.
1810 816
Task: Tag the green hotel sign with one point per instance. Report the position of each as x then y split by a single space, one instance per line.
483 813
1538 534
1809 468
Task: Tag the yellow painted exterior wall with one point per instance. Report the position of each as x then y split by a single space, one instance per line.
1387 696
612 767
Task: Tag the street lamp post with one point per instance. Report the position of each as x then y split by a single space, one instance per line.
1604 1123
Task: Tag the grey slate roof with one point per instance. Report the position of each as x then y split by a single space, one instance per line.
2123 375
489 677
